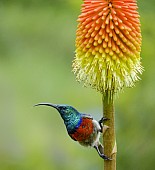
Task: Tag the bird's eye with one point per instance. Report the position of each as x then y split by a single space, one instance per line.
62 108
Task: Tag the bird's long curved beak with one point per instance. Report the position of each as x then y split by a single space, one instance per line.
47 104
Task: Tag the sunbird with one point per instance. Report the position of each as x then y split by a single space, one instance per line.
81 127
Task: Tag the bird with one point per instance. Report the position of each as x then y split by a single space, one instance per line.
81 127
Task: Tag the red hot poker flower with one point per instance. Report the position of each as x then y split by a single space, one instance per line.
108 45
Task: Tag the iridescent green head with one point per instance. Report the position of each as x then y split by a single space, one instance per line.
68 113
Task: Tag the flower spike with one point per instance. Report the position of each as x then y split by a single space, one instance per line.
108 45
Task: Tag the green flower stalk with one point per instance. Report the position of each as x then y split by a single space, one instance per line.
108 45
107 58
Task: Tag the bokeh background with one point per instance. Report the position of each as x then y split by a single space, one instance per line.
36 52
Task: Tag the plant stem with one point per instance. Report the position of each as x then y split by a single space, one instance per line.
109 140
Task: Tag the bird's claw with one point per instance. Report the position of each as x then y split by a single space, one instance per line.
105 157
99 149
103 119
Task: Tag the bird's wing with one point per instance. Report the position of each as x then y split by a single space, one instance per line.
87 116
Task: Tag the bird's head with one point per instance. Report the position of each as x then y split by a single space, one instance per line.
67 112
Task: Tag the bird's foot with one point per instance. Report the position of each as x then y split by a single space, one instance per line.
101 121
99 150
105 157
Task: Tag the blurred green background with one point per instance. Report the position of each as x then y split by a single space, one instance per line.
36 52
